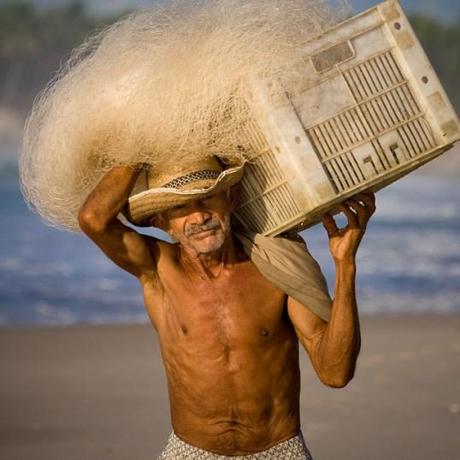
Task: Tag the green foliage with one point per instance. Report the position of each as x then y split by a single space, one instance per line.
442 45
18 26
33 43
24 29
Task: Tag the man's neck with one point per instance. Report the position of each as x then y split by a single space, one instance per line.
211 265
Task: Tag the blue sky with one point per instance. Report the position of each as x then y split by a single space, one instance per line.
447 10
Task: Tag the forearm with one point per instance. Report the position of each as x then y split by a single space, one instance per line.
109 196
340 343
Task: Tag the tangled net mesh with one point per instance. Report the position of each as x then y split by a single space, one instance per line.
160 85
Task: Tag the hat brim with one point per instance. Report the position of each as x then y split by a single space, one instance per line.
142 206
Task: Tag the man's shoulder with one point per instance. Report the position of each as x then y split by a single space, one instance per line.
165 248
164 253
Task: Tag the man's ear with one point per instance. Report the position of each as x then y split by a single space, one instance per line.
235 195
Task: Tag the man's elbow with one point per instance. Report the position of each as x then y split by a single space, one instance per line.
336 382
90 222
337 379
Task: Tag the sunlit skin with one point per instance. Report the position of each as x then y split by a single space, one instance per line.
228 337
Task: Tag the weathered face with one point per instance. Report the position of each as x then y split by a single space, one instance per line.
201 225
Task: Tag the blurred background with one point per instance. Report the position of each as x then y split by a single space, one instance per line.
99 391
410 258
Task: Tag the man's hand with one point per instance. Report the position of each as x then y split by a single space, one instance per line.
344 242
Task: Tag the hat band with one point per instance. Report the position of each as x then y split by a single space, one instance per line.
179 182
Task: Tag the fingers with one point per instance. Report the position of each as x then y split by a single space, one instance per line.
353 221
351 209
363 205
368 198
358 210
330 225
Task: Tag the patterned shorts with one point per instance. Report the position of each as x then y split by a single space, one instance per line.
292 449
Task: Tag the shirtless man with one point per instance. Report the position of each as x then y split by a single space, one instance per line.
229 337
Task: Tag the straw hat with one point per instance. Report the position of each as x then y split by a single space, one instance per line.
157 190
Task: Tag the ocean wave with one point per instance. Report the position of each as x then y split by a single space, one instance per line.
419 199
378 302
408 261
51 315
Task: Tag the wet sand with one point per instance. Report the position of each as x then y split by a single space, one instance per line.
99 392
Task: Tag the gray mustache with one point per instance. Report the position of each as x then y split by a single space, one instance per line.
194 229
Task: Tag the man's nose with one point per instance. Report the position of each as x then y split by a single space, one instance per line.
198 216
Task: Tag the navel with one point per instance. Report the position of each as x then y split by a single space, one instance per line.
264 332
184 329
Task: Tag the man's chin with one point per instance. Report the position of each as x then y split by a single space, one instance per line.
208 242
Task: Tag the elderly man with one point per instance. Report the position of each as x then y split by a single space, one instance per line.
229 336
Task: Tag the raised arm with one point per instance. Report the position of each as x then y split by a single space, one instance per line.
334 347
133 252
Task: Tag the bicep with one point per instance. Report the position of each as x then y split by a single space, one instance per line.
130 250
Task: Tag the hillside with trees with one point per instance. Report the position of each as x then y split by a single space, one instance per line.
33 44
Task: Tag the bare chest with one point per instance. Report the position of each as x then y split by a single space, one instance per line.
239 309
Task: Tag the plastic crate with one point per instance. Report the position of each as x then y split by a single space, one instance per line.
367 110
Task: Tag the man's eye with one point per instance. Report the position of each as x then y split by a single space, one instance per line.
210 197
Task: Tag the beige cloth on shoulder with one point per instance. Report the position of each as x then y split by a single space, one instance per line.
289 265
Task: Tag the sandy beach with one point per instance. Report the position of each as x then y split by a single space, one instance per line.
99 392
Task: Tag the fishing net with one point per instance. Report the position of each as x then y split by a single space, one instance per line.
164 84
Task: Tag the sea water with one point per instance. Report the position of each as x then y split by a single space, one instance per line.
408 261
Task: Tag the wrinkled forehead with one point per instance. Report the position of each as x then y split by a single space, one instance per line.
218 202
219 205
